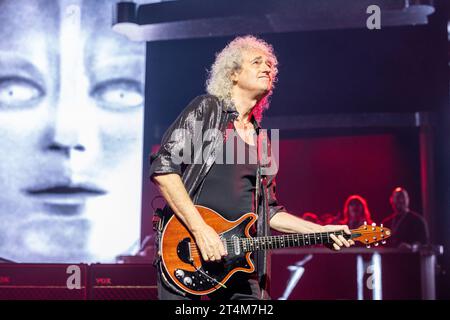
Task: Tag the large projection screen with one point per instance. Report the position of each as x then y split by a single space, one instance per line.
71 127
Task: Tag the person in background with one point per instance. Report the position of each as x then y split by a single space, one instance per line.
408 227
356 212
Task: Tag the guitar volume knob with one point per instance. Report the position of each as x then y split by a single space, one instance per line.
187 281
179 273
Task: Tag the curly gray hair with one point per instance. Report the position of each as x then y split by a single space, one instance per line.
230 60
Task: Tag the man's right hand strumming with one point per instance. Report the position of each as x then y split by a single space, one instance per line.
207 239
209 243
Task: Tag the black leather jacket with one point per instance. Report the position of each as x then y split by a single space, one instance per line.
204 117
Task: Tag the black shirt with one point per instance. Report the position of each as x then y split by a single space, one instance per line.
230 184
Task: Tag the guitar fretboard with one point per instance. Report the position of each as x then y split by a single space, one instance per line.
286 241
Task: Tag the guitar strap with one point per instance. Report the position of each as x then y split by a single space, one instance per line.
262 147
258 172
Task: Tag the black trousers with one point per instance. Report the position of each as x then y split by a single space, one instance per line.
241 286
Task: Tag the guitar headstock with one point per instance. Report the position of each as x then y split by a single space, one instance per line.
368 234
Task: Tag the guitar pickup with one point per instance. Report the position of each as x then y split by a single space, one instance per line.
184 250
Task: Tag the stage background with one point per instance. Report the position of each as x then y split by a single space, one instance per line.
396 70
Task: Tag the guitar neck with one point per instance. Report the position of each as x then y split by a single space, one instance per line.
289 240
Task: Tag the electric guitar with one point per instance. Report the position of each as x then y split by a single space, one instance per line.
183 263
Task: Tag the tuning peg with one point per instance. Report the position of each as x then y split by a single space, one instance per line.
383 242
376 244
374 224
365 223
381 225
368 246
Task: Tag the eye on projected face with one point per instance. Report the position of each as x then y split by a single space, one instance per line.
18 93
71 126
119 95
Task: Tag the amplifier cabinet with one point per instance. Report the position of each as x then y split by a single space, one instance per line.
122 282
43 281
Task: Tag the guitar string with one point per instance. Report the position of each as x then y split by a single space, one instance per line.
267 241
303 236
293 236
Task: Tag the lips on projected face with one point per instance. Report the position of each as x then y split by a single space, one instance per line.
71 122
65 195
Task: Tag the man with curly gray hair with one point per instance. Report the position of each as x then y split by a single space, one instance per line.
229 62
239 86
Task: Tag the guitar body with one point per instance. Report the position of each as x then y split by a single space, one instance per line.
183 265
182 260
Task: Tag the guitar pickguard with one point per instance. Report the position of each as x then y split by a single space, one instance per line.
210 274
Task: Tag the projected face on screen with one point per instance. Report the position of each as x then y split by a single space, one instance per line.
71 125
